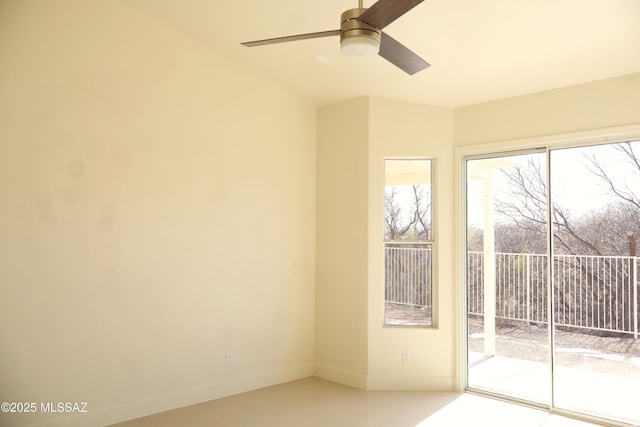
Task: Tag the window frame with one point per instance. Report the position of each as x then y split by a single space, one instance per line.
429 242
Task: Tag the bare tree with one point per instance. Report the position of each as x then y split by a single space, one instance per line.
395 223
524 204
409 216
513 239
421 211
620 187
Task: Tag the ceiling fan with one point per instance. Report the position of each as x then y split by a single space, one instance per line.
361 34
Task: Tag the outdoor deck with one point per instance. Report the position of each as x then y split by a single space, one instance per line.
407 315
522 341
594 374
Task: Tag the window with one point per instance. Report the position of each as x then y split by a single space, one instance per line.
408 242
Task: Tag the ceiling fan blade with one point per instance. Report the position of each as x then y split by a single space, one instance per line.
400 56
384 12
292 38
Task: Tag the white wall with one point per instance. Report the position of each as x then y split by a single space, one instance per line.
157 205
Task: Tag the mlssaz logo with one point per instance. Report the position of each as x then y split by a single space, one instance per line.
65 407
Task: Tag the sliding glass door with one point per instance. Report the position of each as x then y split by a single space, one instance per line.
508 345
596 218
552 278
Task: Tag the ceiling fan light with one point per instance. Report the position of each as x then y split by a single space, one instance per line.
360 46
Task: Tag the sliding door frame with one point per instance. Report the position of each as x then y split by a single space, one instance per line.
501 149
498 154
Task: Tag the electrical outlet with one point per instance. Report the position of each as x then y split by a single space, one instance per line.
230 359
406 356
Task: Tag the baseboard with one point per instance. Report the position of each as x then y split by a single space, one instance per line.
158 404
340 376
412 383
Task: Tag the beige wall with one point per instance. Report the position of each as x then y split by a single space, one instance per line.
352 346
157 210
342 238
406 130
592 106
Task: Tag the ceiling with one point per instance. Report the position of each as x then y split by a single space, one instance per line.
480 50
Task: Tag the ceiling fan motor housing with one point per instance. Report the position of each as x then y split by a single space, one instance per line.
354 31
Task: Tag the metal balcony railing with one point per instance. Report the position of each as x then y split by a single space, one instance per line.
408 272
596 293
